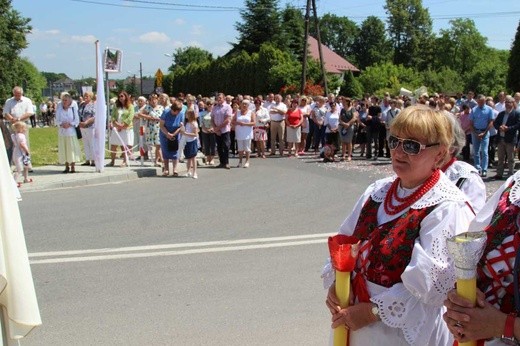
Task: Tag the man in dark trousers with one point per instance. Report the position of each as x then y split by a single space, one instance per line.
507 124
373 123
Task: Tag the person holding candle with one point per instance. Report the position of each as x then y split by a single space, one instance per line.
493 321
403 271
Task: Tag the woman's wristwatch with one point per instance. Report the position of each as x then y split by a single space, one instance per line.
508 336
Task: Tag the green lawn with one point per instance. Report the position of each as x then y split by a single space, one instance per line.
44 146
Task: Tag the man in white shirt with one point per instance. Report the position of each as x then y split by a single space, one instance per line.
500 106
18 108
277 114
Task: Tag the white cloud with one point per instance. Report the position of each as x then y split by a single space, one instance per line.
197 30
83 39
180 21
53 32
154 37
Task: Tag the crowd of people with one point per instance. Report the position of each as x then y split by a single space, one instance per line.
243 126
403 281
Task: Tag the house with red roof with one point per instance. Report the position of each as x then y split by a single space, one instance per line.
334 63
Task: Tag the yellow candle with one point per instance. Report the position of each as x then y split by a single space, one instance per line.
468 289
343 293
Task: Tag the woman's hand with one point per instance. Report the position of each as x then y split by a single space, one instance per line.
65 125
468 323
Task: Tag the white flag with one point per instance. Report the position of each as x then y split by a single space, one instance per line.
101 115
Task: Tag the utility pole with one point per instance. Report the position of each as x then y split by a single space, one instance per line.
305 47
141 77
322 63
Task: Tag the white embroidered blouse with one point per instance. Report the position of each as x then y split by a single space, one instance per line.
411 311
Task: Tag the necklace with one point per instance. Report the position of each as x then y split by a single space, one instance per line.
392 209
448 164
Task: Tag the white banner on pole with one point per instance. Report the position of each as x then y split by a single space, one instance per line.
101 115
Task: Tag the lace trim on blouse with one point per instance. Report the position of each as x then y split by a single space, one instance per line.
458 170
514 195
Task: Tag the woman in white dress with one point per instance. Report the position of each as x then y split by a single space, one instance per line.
403 271
67 118
244 120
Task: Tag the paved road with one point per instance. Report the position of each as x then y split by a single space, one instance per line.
232 258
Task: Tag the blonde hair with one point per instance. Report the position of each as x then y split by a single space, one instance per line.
423 121
20 126
89 93
190 115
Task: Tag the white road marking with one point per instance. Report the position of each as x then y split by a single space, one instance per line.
201 247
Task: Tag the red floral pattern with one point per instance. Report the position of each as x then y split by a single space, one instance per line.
503 225
391 243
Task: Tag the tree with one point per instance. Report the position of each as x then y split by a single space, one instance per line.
183 57
410 30
30 79
513 74
351 86
261 24
371 45
488 76
339 34
444 80
52 77
293 31
460 47
388 77
13 31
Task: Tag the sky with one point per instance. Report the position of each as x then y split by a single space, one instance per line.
64 31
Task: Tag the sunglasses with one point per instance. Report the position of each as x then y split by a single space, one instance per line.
410 146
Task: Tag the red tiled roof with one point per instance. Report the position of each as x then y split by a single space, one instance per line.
333 62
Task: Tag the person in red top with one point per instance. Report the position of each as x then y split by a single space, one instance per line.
293 123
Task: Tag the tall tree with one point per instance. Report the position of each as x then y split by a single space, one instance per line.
461 46
410 30
260 24
13 31
372 45
338 33
183 57
513 74
293 30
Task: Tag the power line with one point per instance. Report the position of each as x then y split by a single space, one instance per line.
153 5
158 8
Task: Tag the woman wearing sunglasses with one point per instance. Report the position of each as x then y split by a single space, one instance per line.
494 320
403 271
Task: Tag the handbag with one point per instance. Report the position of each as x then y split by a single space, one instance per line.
78 129
78 132
173 144
26 160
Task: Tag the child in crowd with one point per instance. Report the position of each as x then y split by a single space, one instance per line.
21 158
191 131
327 153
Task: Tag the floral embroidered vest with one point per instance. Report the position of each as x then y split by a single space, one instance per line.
390 244
498 285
